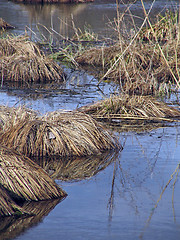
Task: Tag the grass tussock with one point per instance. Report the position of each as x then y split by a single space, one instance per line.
144 62
9 116
24 179
7 206
58 133
132 107
22 61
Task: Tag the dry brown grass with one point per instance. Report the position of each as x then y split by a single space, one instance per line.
131 107
140 69
7 206
24 179
12 227
4 24
146 62
58 133
9 116
22 61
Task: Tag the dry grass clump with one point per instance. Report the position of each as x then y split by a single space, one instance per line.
138 68
21 60
146 62
7 206
126 106
81 134
165 28
24 179
9 116
58 133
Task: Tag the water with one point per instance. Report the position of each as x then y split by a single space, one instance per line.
118 202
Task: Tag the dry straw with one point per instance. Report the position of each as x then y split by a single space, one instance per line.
146 62
58 133
7 206
4 25
22 61
12 227
24 179
131 107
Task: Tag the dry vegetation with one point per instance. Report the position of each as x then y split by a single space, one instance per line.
145 63
58 133
7 206
22 61
131 107
24 179
4 25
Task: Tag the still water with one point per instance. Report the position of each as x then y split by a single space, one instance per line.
133 194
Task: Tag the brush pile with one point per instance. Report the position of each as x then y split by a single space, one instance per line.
22 61
131 107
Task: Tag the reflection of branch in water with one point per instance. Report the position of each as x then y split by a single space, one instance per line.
176 171
173 193
111 199
151 166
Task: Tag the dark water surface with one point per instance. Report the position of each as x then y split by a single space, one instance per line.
118 202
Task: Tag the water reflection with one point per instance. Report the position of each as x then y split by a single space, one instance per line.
79 168
146 177
11 227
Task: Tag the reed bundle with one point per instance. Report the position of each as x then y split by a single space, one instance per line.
10 115
24 179
58 133
81 134
131 107
7 206
22 61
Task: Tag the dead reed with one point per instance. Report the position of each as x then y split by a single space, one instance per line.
22 61
146 62
24 179
7 206
131 107
12 227
57 133
4 25
9 116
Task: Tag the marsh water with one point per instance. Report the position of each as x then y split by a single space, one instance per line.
131 194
